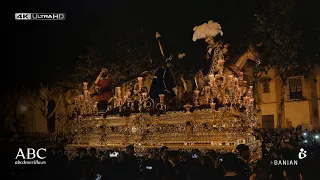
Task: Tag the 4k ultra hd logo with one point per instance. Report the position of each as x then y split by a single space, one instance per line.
31 156
40 16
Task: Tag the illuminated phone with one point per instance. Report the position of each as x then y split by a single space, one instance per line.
194 156
114 154
98 177
149 167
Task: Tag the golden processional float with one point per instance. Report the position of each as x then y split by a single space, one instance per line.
220 116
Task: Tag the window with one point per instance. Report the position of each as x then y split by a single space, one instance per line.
265 86
268 121
295 88
265 80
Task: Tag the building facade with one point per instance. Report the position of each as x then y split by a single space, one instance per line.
302 100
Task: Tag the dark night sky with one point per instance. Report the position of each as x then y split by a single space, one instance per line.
38 47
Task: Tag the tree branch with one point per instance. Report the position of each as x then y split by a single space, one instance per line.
32 103
42 90
55 108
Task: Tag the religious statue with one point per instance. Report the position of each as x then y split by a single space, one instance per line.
104 81
163 82
188 129
216 52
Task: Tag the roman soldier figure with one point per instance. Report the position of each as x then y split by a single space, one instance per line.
104 81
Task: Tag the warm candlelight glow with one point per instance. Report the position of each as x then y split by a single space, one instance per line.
222 112
220 61
128 93
85 85
161 98
213 106
144 94
212 79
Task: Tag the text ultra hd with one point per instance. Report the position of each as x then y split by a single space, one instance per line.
40 16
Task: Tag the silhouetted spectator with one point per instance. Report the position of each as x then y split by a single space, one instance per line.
195 171
230 165
262 170
131 167
244 155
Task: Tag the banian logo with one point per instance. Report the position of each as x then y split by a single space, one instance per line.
292 162
31 156
302 154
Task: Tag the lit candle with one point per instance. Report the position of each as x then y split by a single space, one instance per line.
251 100
220 61
196 96
85 85
140 80
236 81
212 79
161 98
196 92
144 95
213 106
140 83
196 82
118 91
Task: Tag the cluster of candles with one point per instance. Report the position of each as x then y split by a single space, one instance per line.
84 103
229 88
141 96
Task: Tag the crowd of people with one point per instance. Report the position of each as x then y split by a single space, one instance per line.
167 164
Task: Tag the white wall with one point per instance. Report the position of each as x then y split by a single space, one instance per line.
297 112
269 109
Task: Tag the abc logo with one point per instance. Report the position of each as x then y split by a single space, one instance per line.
31 153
